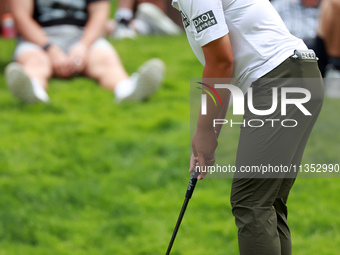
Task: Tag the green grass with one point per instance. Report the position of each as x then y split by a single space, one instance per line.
84 175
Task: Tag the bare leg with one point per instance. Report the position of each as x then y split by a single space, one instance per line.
28 78
128 4
105 66
329 27
330 35
37 66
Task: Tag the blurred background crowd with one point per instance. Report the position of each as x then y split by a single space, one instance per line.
315 21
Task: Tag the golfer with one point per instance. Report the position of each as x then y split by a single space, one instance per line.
246 40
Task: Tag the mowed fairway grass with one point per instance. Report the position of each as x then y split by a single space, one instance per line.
85 175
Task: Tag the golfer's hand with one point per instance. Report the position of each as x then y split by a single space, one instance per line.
78 55
204 144
61 63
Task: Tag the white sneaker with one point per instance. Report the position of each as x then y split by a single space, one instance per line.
22 86
141 27
123 31
332 82
159 22
146 81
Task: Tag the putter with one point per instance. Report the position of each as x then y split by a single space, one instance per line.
190 190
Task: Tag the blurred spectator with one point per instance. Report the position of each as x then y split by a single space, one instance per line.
300 17
327 46
150 18
320 29
63 39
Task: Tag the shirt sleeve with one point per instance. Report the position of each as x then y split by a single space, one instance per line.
207 21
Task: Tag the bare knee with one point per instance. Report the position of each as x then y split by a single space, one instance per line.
105 65
36 63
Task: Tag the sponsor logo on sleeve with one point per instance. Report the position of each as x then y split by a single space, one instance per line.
204 21
185 19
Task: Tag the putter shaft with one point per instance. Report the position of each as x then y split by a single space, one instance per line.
190 190
180 217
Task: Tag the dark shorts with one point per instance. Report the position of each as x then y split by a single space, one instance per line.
65 36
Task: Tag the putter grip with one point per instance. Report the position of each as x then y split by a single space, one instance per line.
192 183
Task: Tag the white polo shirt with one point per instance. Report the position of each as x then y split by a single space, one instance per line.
260 40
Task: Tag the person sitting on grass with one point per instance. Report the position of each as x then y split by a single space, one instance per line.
64 39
